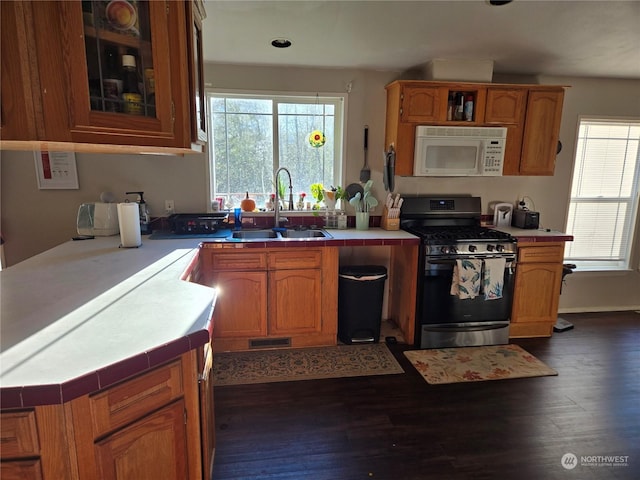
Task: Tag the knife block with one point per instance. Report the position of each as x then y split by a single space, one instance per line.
389 223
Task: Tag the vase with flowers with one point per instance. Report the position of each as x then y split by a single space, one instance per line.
300 202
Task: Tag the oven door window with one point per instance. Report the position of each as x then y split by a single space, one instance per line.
438 306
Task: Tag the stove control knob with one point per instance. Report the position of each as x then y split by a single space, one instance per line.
453 250
490 248
500 248
472 248
444 250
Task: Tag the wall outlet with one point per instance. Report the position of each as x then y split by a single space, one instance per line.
169 207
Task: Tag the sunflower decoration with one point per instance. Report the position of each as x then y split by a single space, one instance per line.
317 139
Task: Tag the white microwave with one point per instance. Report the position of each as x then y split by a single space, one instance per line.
459 151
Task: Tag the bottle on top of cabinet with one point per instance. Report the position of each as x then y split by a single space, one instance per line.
131 95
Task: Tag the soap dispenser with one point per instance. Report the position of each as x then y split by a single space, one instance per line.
145 223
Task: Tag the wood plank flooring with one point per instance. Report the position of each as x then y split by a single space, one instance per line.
398 427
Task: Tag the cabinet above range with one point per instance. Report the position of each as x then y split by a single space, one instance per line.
531 114
64 81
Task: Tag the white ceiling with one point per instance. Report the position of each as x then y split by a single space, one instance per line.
560 37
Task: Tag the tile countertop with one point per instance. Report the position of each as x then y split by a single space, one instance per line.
87 314
535 235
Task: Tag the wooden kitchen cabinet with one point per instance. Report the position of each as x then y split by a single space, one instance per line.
34 444
541 131
295 302
20 443
60 65
273 297
241 309
419 103
531 114
505 105
537 289
146 427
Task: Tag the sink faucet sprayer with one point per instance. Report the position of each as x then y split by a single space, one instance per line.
276 216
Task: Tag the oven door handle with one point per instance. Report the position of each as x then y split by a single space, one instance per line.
462 328
510 261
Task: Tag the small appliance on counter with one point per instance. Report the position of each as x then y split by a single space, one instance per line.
98 219
526 219
197 223
502 214
145 219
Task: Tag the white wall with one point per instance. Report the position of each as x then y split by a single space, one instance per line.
34 220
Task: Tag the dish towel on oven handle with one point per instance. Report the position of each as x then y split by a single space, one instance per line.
493 280
466 278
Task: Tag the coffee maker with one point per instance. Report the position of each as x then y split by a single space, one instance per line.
145 222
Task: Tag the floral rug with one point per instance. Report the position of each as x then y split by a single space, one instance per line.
264 366
474 364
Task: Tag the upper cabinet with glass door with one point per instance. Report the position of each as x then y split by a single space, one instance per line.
124 71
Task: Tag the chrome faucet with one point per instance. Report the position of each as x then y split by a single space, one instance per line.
276 216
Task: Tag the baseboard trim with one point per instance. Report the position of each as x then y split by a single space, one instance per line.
598 309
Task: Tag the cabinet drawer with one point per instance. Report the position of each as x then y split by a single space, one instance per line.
130 400
239 261
547 254
295 258
19 435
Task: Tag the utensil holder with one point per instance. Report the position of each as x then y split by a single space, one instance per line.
389 223
362 220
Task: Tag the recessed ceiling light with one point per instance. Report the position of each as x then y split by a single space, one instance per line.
281 42
497 3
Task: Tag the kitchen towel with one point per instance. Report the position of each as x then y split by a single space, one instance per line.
129 221
493 281
466 278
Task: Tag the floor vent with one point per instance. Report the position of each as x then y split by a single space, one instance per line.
270 342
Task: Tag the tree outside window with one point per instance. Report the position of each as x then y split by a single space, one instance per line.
254 135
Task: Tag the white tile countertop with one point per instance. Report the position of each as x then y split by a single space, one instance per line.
86 314
84 306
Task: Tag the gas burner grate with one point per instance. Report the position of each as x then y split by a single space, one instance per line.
453 234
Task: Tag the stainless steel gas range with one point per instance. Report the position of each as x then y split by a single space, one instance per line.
465 275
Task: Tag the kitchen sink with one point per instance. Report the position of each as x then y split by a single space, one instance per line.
280 235
254 234
305 234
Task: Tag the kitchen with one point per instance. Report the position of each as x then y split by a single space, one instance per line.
27 211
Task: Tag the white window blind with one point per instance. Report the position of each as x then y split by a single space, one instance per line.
604 194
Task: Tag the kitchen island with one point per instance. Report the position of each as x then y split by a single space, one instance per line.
105 352
106 356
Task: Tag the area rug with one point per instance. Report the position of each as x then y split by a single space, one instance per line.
265 366
475 364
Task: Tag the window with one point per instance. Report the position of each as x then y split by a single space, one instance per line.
254 135
604 194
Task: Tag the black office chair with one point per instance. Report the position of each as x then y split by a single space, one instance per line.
563 325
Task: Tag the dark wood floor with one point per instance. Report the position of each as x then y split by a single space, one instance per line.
398 427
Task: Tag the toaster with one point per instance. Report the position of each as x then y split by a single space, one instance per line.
525 219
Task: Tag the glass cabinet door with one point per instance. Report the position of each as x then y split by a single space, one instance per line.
119 56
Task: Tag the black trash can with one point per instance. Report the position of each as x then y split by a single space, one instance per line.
360 296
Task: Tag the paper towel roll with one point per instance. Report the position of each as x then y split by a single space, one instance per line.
129 221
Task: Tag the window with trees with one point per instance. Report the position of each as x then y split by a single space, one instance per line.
603 208
251 136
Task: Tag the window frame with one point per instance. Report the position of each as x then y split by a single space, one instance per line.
626 263
339 153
